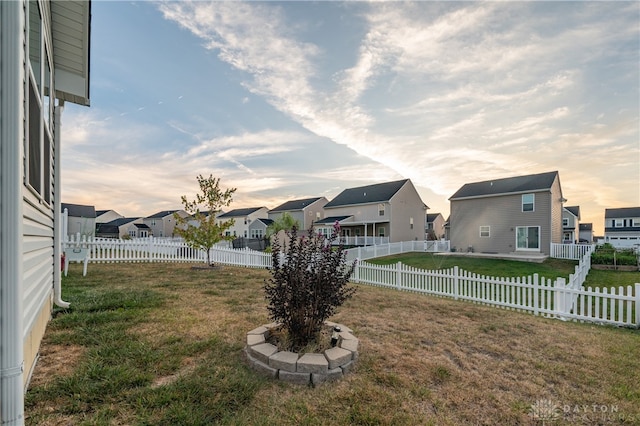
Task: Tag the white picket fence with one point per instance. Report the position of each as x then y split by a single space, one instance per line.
570 251
371 252
560 298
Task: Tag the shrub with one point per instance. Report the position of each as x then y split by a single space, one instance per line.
607 255
308 283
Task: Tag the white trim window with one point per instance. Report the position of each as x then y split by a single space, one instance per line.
618 223
410 223
485 231
380 209
565 222
381 231
528 202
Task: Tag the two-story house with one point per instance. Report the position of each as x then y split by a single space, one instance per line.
162 224
44 63
304 211
105 216
435 226
570 224
391 211
517 214
242 219
622 227
586 233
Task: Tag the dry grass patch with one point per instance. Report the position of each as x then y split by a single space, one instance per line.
423 360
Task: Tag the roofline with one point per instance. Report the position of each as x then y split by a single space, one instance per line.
501 194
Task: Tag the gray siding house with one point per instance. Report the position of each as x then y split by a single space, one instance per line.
570 224
242 219
622 227
586 233
435 223
517 214
305 211
393 210
44 63
258 228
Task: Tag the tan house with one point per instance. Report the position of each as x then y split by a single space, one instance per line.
44 63
242 219
106 216
435 223
520 214
393 211
305 211
162 224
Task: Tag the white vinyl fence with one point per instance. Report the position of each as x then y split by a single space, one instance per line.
560 298
570 251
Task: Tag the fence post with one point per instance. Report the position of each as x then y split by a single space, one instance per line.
149 248
559 297
398 274
637 305
536 294
456 282
356 271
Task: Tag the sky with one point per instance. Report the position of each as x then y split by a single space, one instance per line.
290 100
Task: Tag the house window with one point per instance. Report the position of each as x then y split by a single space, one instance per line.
636 222
430 225
485 231
528 202
565 222
381 231
317 215
528 238
618 223
380 209
410 223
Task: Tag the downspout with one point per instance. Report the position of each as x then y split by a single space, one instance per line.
12 77
57 216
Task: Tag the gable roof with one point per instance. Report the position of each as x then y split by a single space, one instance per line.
121 221
432 216
295 204
517 184
161 214
623 212
367 194
241 212
574 210
79 210
265 221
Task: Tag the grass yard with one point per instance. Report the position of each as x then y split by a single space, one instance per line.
162 344
550 268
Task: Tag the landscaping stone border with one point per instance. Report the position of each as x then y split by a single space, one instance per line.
307 369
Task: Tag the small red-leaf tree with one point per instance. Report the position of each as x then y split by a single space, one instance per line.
200 229
309 282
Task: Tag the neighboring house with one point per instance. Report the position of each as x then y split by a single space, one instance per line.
622 227
118 228
435 223
138 230
306 211
162 224
570 224
242 219
392 210
80 219
258 228
586 233
105 216
44 63
516 214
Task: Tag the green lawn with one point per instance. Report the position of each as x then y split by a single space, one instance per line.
162 344
550 268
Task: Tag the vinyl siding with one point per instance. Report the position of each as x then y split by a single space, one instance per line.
405 205
502 214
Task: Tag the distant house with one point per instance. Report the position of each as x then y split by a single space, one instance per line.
305 211
586 233
622 227
242 219
104 216
391 210
162 224
258 227
44 66
80 219
435 223
121 227
516 214
570 224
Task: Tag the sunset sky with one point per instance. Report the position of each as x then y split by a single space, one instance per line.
287 100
